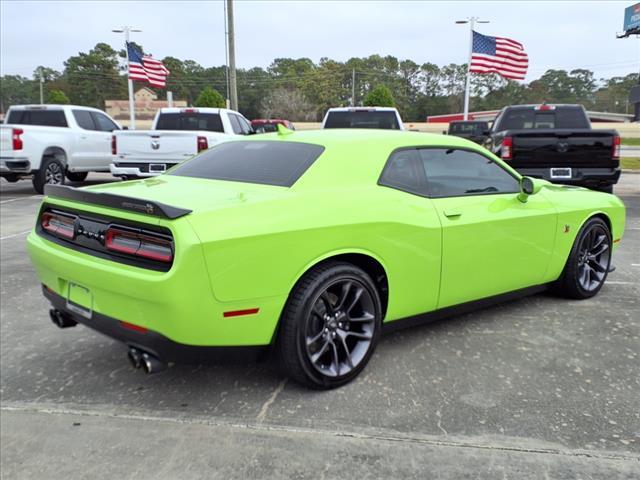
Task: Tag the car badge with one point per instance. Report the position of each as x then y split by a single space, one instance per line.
155 144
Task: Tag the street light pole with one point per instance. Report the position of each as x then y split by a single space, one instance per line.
132 105
472 22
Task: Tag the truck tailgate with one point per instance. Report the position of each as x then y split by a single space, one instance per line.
156 145
571 148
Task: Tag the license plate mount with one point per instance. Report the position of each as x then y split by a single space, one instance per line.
157 167
79 300
560 173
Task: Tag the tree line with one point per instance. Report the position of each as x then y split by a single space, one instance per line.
302 90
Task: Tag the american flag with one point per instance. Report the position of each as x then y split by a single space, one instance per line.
499 55
144 68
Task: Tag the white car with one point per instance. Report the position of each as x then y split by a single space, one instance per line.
386 118
51 142
176 135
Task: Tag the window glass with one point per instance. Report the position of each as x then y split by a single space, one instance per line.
362 119
210 122
235 124
84 119
402 172
103 122
45 118
453 173
246 126
559 117
271 163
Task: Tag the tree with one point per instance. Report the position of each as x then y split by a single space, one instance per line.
379 97
58 97
289 104
210 97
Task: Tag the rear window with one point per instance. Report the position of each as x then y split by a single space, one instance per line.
468 128
560 117
269 163
362 119
45 118
190 121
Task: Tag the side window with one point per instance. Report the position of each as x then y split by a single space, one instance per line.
246 126
402 172
84 119
235 124
455 173
103 122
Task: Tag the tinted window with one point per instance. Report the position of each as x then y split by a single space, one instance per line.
402 172
265 128
271 163
468 128
559 117
103 122
362 119
84 119
190 121
453 173
46 118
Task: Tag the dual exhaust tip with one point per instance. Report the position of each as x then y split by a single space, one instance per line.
60 319
149 363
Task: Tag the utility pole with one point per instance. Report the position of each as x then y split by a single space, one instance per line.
472 22
132 104
41 89
226 55
353 87
232 57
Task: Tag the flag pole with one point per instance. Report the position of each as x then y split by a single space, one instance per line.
132 104
467 89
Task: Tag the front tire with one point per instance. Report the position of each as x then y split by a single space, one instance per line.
589 260
77 176
330 326
51 172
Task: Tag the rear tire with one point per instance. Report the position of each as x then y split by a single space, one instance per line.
588 264
330 326
77 176
51 172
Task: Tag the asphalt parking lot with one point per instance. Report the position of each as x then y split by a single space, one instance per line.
535 388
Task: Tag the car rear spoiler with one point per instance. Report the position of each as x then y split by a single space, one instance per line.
110 200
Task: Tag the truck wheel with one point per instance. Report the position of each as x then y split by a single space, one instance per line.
588 264
51 173
77 176
330 326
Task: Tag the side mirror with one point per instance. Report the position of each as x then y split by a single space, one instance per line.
528 186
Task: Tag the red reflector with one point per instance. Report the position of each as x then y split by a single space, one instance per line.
135 328
238 313
58 225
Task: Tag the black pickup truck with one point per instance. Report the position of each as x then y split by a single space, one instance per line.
556 142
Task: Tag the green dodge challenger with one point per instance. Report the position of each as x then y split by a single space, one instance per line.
313 243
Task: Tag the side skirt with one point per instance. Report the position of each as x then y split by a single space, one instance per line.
454 310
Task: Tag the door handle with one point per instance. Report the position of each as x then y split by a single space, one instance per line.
452 213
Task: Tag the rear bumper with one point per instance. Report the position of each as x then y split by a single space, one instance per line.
137 169
579 176
15 165
178 304
152 342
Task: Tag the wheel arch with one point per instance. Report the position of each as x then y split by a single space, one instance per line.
57 152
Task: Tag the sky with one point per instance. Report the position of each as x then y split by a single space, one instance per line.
556 34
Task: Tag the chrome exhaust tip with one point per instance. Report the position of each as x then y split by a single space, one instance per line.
60 319
135 357
151 364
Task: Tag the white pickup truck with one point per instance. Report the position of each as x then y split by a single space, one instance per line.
176 135
50 142
386 118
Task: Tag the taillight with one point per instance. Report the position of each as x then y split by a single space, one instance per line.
139 244
615 153
506 151
59 225
114 145
15 138
202 144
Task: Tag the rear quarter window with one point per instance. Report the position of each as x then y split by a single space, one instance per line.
268 162
44 118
